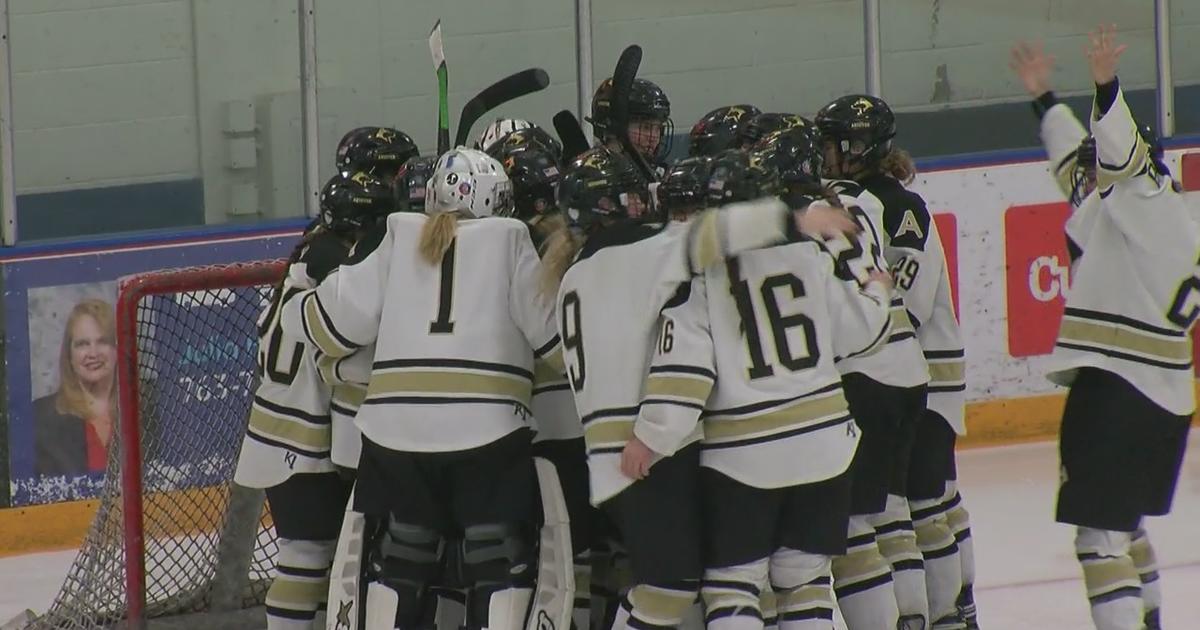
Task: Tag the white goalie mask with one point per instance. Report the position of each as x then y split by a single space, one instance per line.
466 180
500 128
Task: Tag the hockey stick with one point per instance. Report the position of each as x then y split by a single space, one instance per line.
571 134
509 88
623 76
439 65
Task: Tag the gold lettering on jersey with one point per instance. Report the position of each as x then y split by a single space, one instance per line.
861 106
909 224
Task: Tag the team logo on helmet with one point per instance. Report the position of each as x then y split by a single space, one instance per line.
861 106
385 134
735 114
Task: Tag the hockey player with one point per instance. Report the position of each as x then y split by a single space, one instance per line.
513 133
765 123
617 303
410 183
859 131
287 448
778 435
380 151
650 128
718 130
886 391
534 169
684 189
445 446
1123 347
533 166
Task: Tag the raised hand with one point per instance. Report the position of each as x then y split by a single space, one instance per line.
1033 66
1103 53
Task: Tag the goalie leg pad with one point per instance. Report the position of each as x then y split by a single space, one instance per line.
499 563
405 560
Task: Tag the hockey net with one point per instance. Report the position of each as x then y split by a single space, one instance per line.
174 542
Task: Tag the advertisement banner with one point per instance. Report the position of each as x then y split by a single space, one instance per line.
1037 275
61 356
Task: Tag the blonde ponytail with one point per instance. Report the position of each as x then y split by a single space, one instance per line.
558 252
899 164
437 235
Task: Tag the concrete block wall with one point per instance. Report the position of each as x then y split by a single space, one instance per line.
126 93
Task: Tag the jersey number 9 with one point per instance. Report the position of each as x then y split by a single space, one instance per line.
572 340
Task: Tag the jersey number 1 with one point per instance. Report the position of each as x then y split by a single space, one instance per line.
780 324
443 323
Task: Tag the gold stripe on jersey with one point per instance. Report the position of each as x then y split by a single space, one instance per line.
350 394
682 388
426 382
946 372
1123 339
327 367
319 330
900 320
289 430
608 432
705 238
553 361
722 426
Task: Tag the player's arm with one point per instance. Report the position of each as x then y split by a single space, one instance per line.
717 234
343 312
533 311
859 312
681 374
1120 149
1061 131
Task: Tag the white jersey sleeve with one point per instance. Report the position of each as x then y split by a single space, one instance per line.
1061 134
1120 150
681 373
343 312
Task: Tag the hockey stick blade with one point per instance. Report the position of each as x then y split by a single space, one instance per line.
439 66
570 134
623 76
507 89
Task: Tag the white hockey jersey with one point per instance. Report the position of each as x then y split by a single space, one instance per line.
554 413
289 427
455 343
917 260
777 416
899 362
1135 290
615 306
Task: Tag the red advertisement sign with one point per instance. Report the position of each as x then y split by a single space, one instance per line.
947 227
1037 274
1190 177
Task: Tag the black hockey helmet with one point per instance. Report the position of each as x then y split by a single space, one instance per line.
684 190
379 150
861 127
602 186
409 185
718 130
736 177
534 170
647 102
350 201
793 156
765 123
532 136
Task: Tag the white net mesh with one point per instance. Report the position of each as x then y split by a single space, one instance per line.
189 336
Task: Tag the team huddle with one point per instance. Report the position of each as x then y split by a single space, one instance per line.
532 384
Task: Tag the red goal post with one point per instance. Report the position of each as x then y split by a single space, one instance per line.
175 542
